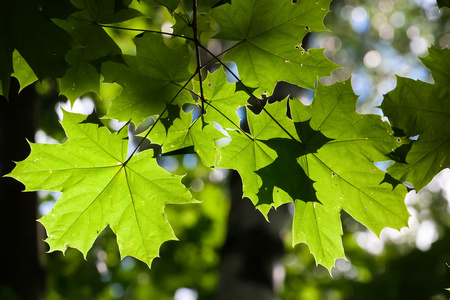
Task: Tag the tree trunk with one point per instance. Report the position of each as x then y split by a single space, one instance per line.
250 267
22 276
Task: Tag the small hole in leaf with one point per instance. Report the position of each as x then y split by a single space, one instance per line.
294 1
297 47
399 140
333 174
210 84
307 28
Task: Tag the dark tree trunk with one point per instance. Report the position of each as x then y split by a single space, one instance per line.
21 273
252 250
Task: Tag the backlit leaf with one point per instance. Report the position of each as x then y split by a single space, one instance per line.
222 100
150 81
422 109
184 132
100 188
324 161
268 37
94 45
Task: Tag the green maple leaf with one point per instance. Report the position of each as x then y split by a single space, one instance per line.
249 153
438 61
94 45
24 26
151 80
344 173
324 161
183 133
268 37
222 100
101 187
22 71
184 28
422 109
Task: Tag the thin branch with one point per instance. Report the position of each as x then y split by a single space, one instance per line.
209 103
216 57
248 91
197 53
145 30
158 119
198 72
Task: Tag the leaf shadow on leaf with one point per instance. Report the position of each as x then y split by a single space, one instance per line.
93 119
399 154
391 180
173 113
287 172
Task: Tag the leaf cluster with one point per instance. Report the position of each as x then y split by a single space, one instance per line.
321 157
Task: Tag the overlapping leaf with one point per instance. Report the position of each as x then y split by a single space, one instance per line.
22 71
99 188
344 171
222 100
94 44
268 37
184 133
322 157
324 162
422 109
150 80
248 153
26 27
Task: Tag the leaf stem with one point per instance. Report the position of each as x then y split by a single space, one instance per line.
197 53
173 11
145 30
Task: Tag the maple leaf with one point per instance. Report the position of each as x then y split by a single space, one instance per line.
344 173
22 71
324 161
423 109
93 44
268 37
247 153
438 61
43 45
151 80
101 187
322 157
222 99
185 132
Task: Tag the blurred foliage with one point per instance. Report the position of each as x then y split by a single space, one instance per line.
374 40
